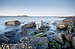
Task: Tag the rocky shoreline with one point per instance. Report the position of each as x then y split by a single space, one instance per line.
41 38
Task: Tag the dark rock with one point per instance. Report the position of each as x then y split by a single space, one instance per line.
10 33
12 23
3 39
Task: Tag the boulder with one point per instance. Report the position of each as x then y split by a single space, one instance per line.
62 26
43 26
58 38
30 25
40 25
69 37
12 23
68 21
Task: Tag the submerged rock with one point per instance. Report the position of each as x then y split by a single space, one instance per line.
12 23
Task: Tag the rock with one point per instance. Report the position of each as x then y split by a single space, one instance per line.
24 33
41 35
69 37
73 42
50 33
58 46
30 25
3 39
68 21
27 28
9 33
58 38
12 23
42 25
35 40
70 29
66 46
62 26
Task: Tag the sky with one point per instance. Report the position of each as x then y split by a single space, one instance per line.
37 7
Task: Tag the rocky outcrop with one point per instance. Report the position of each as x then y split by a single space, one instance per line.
12 23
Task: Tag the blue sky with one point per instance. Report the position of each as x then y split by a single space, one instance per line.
37 7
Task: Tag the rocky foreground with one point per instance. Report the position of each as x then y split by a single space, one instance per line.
42 38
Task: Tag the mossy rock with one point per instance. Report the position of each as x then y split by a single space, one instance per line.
41 35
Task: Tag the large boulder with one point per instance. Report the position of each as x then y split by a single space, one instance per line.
12 23
58 38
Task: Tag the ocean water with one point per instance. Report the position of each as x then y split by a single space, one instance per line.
24 20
